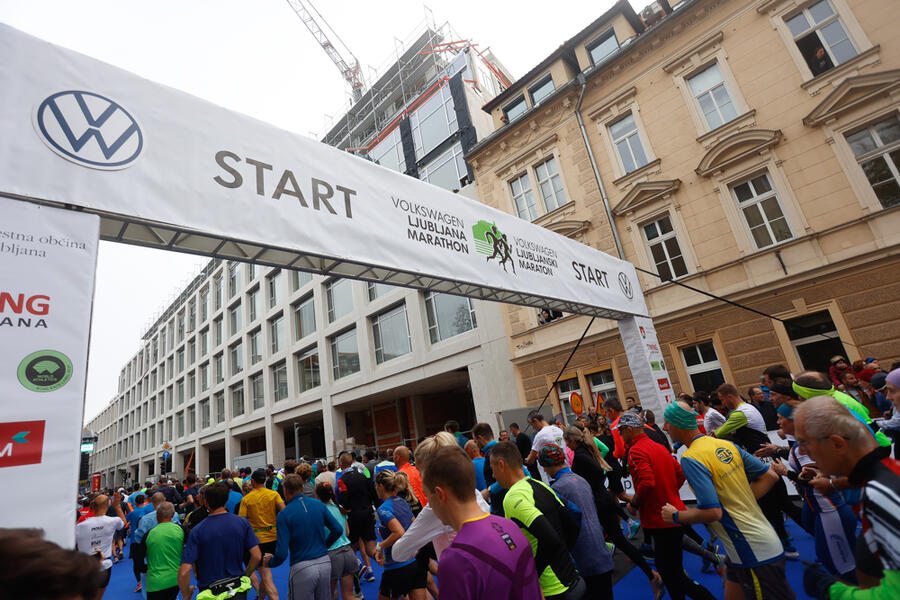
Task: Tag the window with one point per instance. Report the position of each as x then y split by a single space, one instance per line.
821 37
219 363
237 399
170 395
627 140
389 152
541 90
204 304
192 419
204 377
565 388
220 407
192 352
217 331
602 383
433 122
279 381
275 282
550 184
344 354
237 358
391 333
192 385
448 315
192 316
339 293
304 318
709 90
762 212
377 289
179 387
179 421
257 389
253 305
204 342
234 318
232 278
308 369
447 171
162 347
877 149
515 108
169 428
217 293
276 333
664 249
251 272
523 198
299 279
180 322
703 366
815 338
204 413
602 46
255 346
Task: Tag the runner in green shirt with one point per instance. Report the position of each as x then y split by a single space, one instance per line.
164 545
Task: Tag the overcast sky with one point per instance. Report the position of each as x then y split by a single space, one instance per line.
255 57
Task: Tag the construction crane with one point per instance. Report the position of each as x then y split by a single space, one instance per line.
350 71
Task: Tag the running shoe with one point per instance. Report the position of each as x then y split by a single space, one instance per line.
720 565
369 578
647 551
361 570
633 528
707 566
137 588
790 551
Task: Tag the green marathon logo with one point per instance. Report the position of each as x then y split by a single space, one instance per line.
658 365
45 371
492 242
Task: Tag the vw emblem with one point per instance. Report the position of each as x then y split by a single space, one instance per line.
89 129
625 286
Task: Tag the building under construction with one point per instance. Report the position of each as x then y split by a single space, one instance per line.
423 112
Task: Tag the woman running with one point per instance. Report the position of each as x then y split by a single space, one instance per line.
342 556
394 518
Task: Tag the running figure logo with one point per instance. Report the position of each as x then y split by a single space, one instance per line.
492 242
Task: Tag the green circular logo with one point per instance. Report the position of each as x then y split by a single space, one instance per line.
45 371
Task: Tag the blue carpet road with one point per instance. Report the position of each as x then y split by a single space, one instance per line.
630 582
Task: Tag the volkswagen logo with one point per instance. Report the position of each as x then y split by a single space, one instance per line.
625 286
89 129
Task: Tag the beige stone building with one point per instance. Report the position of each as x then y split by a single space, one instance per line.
747 149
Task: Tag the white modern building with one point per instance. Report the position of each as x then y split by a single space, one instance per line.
253 364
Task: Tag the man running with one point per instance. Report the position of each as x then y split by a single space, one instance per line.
401 459
95 535
544 520
302 524
544 433
727 480
136 549
164 544
260 507
490 558
356 495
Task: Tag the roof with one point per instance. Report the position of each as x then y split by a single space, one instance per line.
621 7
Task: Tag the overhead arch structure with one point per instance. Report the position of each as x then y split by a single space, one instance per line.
132 161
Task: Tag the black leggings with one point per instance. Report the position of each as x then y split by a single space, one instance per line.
670 564
610 522
599 587
773 503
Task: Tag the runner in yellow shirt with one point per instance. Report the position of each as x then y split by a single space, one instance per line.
260 506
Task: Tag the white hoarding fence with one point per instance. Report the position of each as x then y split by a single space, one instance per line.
47 262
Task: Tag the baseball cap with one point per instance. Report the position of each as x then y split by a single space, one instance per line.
630 420
259 476
551 455
879 381
870 360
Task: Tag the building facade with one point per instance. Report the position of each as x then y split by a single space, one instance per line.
745 150
254 364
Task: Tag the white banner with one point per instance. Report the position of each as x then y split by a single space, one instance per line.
645 359
47 262
75 130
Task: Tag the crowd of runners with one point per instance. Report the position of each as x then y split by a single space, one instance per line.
526 516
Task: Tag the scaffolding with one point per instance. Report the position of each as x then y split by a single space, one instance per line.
419 63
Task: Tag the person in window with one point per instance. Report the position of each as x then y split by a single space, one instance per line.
820 61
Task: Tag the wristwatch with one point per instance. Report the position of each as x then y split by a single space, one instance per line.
675 517
378 547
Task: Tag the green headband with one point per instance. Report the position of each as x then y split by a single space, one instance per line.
679 417
807 393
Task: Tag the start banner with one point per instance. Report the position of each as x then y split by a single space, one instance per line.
170 170
48 258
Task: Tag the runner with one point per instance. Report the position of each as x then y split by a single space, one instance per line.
489 558
543 434
302 526
135 548
340 553
260 507
718 471
356 495
95 535
395 517
164 544
544 520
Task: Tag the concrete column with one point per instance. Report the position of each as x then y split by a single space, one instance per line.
201 460
418 424
334 426
229 449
